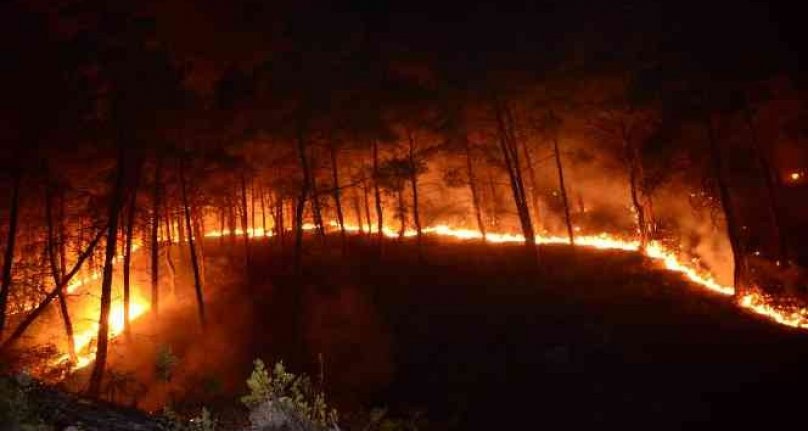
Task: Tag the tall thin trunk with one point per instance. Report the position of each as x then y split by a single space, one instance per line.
172 272
200 300
771 188
377 193
252 206
416 217
63 282
337 198
222 218
634 178
127 256
244 227
733 231
154 240
492 190
402 212
8 258
366 193
301 201
509 151
562 186
316 208
102 340
198 223
231 221
57 271
279 221
357 207
534 189
475 196
261 196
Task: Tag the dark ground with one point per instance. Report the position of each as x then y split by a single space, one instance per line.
477 341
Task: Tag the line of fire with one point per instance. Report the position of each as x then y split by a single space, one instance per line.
401 217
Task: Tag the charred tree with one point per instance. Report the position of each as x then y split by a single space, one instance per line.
316 205
732 223
332 149
116 203
261 196
172 272
154 238
301 201
64 281
771 187
509 149
200 300
563 188
8 258
57 269
475 194
534 189
127 256
413 171
366 195
377 193
244 220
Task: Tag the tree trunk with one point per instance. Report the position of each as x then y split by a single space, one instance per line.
198 223
733 231
366 193
563 188
244 228
252 206
634 178
57 271
279 221
357 207
534 189
261 196
63 282
416 217
509 151
316 209
492 189
8 258
116 202
301 202
127 256
377 193
154 240
771 188
172 272
475 196
200 300
231 221
402 212
337 201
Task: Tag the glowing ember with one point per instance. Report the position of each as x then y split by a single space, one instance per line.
795 176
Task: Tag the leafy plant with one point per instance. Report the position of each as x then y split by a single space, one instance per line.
165 363
203 422
16 409
281 396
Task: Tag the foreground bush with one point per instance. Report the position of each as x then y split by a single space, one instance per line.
281 400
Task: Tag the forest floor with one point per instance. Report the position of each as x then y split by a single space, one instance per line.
474 338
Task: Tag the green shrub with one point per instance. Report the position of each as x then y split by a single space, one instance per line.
16 408
283 397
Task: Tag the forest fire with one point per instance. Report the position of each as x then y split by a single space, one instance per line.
754 302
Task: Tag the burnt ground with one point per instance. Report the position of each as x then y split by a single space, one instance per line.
475 339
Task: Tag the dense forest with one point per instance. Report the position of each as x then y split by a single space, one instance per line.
158 155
